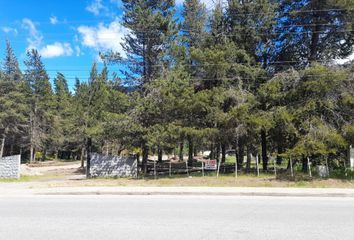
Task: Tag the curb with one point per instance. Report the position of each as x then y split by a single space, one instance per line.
245 194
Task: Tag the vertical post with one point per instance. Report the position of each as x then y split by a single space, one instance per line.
327 167
217 172
88 154
291 167
155 169
236 168
257 165
187 168
275 167
309 166
2 146
170 169
203 168
351 156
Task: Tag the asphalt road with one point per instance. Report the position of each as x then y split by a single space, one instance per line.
175 217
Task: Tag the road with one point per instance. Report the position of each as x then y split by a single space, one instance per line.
175 217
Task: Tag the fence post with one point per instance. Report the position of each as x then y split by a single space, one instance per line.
187 168
257 165
236 169
155 169
203 168
309 166
291 167
327 167
170 169
217 173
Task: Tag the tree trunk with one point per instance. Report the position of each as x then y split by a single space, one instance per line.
217 152
145 151
56 154
195 151
82 157
159 155
138 158
264 150
34 155
240 156
304 165
31 154
280 151
44 154
12 146
2 146
88 156
190 151
223 153
248 163
212 151
181 146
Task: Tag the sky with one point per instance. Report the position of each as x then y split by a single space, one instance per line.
68 34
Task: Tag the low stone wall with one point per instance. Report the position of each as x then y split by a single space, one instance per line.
112 166
10 167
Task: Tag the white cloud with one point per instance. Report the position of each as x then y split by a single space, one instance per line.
9 30
78 51
53 20
96 7
103 37
35 41
56 49
35 37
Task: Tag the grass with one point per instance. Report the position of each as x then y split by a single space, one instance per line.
59 178
228 180
22 179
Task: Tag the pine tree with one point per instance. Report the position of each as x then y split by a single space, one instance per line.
62 111
251 24
323 29
41 101
13 108
11 69
151 28
94 102
194 24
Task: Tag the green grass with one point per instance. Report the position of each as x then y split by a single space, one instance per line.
22 179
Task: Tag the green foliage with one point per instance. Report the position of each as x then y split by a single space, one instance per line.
244 77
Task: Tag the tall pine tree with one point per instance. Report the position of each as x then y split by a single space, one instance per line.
41 101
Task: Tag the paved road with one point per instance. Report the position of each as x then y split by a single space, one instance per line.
175 217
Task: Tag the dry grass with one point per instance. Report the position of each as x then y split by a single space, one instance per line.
69 175
210 181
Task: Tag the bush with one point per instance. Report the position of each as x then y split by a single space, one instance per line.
343 173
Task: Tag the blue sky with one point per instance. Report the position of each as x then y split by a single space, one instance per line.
67 33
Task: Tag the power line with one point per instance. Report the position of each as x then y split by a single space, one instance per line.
341 24
234 14
218 79
277 33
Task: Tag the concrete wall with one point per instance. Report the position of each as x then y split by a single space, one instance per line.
10 167
112 166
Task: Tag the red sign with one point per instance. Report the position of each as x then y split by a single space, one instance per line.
210 165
